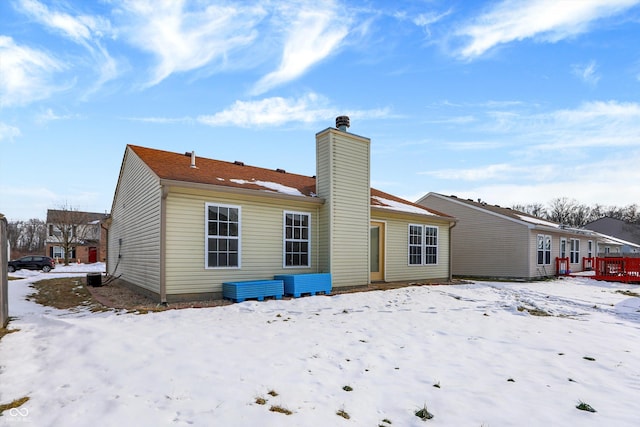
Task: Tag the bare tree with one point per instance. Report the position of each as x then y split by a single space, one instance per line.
579 215
14 231
69 228
34 235
535 209
561 210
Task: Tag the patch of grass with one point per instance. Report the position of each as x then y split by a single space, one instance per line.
13 278
533 311
261 401
511 380
585 407
589 358
279 409
386 420
347 388
342 413
64 293
437 385
15 404
628 293
424 414
272 393
6 331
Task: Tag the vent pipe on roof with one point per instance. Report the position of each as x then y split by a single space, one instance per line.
193 159
342 123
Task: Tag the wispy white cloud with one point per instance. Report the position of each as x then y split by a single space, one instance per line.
478 145
313 33
543 20
8 132
591 124
161 120
588 182
494 172
49 115
427 19
84 30
278 111
587 73
81 29
187 36
532 156
26 74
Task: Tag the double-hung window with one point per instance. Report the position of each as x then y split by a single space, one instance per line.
544 249
223 236
297 239
423 245
574 254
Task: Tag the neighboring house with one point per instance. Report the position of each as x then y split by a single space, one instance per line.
498 242
624 233
84 235
181 226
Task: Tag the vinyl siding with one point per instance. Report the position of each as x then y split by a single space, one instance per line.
397 266
323 186
485 245
261 240
136 223
343 181
538 271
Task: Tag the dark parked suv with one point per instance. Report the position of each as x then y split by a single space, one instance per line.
43 263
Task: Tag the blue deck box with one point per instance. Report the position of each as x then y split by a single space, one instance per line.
240 291
310 283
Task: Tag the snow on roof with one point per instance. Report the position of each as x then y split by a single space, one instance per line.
274 186
538 221
398 206
615 241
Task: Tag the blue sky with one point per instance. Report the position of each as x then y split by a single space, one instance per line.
507 101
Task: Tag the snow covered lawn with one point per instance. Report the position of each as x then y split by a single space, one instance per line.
473 354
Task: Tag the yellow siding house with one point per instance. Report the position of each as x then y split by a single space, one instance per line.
181 225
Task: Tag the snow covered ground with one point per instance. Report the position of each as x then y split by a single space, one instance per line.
465 351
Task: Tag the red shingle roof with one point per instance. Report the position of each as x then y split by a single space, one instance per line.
177 167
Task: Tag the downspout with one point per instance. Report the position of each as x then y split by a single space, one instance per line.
163 234
451 225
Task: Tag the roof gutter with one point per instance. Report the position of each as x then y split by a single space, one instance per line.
383 209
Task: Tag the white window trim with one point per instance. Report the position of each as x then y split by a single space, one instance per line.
284 240
575 243
206 236
423 245
545 238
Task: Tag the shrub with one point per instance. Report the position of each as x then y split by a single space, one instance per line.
585 407
342 413
280 409
424 414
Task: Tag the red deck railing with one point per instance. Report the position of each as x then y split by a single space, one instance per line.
562 266
618 269
587 263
